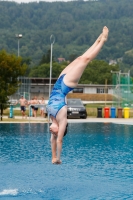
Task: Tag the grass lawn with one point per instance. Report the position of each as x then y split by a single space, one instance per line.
91 110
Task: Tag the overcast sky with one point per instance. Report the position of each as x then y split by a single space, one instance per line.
27 1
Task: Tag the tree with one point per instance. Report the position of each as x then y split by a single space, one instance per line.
97 72
44 70
11 68
72 57
46 58
27 61
128 58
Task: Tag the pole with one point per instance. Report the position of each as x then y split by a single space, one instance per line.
18 36
119 87
105 91
1 110
52 40
18 47
50 70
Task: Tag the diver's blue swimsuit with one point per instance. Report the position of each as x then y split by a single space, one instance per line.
57 97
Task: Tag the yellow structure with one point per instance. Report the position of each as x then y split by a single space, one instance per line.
126 112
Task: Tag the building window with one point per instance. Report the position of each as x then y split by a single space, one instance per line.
102 90
78 90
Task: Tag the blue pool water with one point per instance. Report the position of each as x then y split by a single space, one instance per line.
97 163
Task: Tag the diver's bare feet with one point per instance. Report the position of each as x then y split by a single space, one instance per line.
56 161
99 38
59 162
105 33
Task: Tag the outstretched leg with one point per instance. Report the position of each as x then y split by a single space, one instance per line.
53 147
70 66
78 66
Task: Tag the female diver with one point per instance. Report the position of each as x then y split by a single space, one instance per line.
67 81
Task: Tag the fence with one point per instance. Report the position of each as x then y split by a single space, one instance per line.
123 89
14 111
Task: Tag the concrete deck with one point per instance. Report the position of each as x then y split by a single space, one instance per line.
19 119
103 120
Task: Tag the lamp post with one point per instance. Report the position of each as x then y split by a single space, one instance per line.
18 36
52 40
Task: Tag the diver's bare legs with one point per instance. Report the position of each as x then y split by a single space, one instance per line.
78 66
71 79
56 146
53 147
56 137
57 134
62 121
68 68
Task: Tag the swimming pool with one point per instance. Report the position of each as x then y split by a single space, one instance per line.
97 163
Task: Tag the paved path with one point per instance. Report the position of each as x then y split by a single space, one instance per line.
18 119
103 120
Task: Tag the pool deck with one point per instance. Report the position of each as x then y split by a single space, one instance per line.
18 119
103 120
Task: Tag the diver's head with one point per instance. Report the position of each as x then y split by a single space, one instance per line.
54 128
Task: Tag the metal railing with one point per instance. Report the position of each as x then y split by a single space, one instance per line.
10 110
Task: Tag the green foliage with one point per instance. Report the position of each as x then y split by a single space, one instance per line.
97 72
72 57
75 25
11 68
127 62
44 70
27 61
46 58
128 59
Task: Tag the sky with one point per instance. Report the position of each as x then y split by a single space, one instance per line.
28 1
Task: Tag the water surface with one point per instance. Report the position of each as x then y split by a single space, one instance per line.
97 162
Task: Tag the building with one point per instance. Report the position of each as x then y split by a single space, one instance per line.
40 86
60 60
